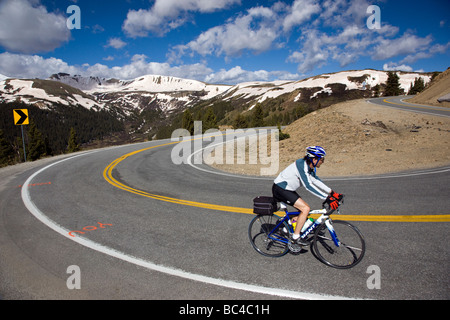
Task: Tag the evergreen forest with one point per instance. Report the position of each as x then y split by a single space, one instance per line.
52 131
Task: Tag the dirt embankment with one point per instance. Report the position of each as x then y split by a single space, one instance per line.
363 139
439 88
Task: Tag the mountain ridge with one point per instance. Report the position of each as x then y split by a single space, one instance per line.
150 103
94 87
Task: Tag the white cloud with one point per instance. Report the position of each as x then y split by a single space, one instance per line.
391 66
116 43
165 15
301 11
255 31
239 75
340 13
407 44
33 66
27 27
236 75
329 31
350 39
314 53
261 29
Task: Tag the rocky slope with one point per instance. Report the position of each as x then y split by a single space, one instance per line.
438 93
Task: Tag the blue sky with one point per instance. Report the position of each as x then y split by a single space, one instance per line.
221 41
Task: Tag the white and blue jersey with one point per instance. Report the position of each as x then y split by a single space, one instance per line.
300 174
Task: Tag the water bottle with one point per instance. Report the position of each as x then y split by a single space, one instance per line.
307 224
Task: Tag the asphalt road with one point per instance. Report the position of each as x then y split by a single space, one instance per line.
401 102
145 241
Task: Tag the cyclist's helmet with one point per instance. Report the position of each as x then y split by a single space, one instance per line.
315 152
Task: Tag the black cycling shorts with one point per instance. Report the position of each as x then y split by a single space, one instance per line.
286 196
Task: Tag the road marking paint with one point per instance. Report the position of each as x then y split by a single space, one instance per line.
155 267
89 228
36 184
177 272
107 174
407 104
147 264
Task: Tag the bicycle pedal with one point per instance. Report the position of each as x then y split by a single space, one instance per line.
293 247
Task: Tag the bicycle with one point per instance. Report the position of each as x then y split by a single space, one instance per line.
338 244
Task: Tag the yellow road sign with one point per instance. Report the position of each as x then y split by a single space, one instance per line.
21 117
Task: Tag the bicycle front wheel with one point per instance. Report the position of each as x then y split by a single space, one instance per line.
342 249
266 238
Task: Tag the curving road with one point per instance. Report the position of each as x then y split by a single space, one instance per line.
401 102
140 227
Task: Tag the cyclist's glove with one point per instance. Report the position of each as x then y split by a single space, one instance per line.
338 196
332 202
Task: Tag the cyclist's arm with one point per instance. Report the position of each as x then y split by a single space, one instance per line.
322 186
313 184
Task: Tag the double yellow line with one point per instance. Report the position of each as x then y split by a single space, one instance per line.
107 174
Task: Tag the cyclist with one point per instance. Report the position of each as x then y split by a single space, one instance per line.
303 173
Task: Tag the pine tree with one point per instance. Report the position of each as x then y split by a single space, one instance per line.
417 87
240 122
209 120
6 151
376 90
282 135
392 85
258 116
73 141
188 121
36 144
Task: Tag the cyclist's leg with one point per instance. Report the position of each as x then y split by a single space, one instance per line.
304 209
292 198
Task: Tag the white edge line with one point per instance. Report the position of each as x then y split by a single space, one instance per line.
152 266
411 110
375 177
189 162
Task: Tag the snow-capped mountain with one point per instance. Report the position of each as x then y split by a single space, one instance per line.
45 93
77 81
3 77
172 93
352 80
147 83
164 93
148 102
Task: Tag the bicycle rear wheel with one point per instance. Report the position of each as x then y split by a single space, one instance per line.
267 240
350 250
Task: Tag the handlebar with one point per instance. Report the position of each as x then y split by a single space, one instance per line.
329 210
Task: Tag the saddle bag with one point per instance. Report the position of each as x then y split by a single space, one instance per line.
264 205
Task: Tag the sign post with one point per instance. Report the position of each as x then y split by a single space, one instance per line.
21 119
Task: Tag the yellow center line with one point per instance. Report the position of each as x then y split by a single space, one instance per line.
107 174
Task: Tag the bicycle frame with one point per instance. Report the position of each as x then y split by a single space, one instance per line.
324 218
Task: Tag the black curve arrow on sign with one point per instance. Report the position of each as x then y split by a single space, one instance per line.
22 115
